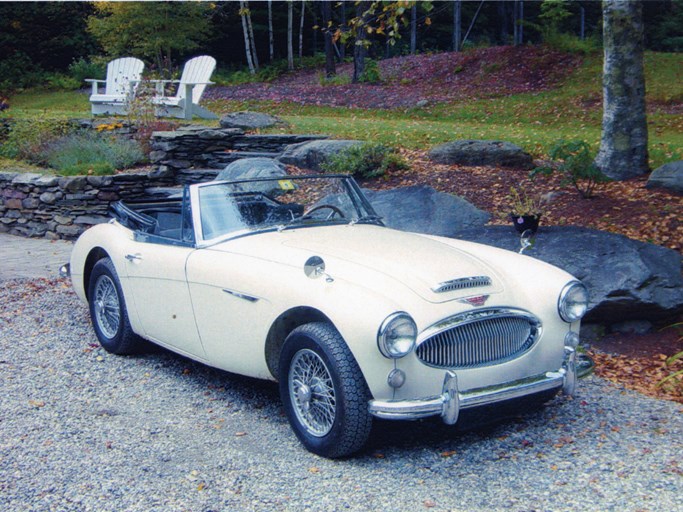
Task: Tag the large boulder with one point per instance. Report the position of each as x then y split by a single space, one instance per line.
253 168
311 154
495 153
246 120
627 279
668 176
422 209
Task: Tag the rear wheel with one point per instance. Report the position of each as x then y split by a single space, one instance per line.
108 310
323 391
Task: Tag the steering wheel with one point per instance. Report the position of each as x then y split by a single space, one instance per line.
335 211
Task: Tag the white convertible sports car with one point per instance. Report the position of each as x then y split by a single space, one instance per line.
297 280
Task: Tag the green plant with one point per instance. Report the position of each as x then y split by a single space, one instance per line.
575 162
26 138
102 151
371 74
61 82
522 203
368 160
81 69
89 169
675 379
334 80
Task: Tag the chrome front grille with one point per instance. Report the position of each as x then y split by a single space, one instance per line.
480 338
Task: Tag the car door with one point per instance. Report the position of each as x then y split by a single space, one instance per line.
157 278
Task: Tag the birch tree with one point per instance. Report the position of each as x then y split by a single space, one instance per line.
623 145
290 28
243 12
271 39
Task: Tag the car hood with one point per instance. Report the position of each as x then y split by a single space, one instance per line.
419 262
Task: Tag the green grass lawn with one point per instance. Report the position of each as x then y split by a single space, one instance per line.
534 121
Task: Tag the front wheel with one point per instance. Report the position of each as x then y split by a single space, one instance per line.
323 391
108 311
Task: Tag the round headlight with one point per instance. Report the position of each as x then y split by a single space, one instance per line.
396 336
573 302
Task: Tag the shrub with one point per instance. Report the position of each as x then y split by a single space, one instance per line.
60 82
26 139
95 169
87 149
575 162
81 69
371 73
367 160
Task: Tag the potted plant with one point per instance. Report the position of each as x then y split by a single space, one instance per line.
525 210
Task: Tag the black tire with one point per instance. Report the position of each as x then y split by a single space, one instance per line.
327 404
108 311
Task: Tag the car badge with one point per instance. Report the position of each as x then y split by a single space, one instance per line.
477 301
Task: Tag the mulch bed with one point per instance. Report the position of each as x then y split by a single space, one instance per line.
628 208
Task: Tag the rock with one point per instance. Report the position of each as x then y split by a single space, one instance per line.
248 120
481 152
632 327
48 198
251 168
627 280
26 178
422 209
422 104
310 155
248 168
668 176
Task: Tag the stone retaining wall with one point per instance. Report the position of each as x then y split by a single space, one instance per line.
34 205
199 147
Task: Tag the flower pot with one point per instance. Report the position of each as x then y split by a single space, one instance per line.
524 222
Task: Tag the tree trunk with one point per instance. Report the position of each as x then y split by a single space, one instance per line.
245 31
251 38
457 25
271 39
290 35
623 145
503 17
413 29
359 48
342 25
301 30
330 66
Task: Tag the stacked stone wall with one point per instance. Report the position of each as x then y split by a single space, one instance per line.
34 205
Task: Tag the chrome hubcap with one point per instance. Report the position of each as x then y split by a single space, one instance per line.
312 392
107 307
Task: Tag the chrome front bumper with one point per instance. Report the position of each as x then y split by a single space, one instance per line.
451 401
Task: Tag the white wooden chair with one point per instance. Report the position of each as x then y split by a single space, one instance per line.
185 103
123 76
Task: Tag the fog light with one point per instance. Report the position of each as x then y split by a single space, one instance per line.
572 339
396 378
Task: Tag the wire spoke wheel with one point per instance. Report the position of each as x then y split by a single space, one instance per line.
107 306
312 392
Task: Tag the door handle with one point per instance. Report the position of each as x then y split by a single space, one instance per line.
133 257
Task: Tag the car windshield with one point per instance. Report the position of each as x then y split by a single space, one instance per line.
236 208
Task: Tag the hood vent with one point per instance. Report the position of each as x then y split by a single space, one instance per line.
462 283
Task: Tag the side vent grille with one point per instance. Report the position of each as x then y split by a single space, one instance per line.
462 284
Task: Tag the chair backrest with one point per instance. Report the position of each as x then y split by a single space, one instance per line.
197 71
120 72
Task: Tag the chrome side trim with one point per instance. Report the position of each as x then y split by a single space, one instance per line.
462 284
240 295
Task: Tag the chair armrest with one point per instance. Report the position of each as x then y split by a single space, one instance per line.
94 83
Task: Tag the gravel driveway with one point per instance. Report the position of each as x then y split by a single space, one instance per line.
84 430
